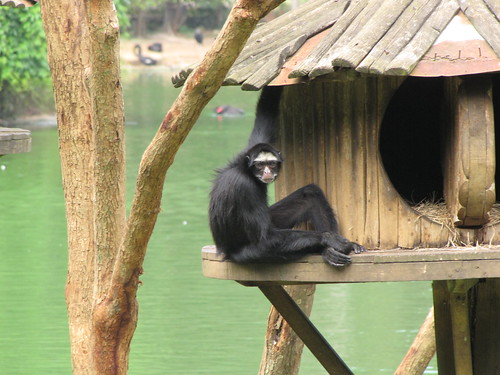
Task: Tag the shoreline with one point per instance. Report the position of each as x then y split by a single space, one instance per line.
178 51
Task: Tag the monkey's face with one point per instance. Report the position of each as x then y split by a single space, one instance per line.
266 167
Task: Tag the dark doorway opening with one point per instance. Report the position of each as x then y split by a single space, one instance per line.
410 139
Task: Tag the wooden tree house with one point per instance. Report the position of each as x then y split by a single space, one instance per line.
387 104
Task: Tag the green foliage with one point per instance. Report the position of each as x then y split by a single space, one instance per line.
23 51
24 71
122 9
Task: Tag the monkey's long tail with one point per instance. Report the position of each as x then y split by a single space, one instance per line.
264 130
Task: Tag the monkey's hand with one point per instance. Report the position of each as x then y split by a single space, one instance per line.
335 258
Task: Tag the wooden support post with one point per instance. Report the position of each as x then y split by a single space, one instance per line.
459 309
470 160
486 318
304 328
451 315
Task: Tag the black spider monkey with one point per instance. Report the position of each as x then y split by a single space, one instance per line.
245 229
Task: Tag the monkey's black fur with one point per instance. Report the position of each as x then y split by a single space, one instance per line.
246 229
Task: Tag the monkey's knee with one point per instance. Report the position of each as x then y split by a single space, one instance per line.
312 190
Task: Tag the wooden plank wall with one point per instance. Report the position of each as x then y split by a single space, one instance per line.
329 135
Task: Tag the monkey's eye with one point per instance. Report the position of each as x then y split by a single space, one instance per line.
272 164
259 164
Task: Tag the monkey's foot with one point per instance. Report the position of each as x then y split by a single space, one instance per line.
334 258
357 248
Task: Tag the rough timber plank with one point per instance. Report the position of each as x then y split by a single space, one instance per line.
403 30
292 16
272 40
319 61
355 21
272 65
269 37
494 5
360 43
409 56
372 266
485 22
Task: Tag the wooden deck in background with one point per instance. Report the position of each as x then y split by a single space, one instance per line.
372 266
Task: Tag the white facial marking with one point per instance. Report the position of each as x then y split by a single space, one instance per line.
266 156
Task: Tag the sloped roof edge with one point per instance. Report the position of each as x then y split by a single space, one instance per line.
390 37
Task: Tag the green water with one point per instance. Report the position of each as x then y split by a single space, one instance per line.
188 324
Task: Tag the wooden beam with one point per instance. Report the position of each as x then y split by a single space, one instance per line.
443 328
460 325
304 328
453 329
372 266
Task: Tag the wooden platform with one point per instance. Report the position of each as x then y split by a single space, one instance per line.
372 266
466 290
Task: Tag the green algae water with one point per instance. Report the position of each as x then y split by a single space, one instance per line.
188 324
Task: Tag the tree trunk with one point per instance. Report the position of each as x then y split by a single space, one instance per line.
283 348
106 252
140 24
174 16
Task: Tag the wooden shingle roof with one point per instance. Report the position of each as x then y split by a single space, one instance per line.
392 37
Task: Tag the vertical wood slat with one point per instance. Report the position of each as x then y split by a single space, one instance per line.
331 188
353 159
319 137
433 234
371 201
389 205
286 145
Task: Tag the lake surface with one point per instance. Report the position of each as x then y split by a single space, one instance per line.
188 324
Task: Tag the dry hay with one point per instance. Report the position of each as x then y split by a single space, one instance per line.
439 213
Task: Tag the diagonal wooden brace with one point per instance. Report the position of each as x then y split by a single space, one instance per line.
304 328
